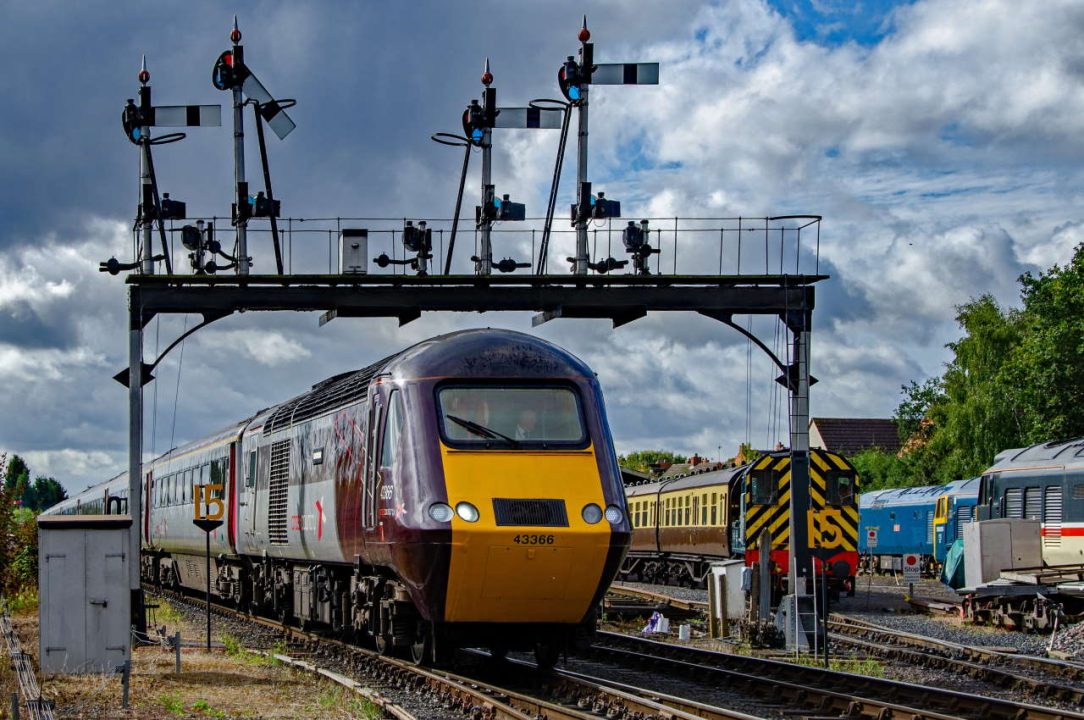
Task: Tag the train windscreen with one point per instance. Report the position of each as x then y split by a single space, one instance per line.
499 416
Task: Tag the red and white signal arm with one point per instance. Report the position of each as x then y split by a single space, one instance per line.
871 538
912 566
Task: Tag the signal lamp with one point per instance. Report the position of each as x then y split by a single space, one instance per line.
172 209
474 123
507 210
614 514
224 74
131 121
633 237
569 77
191 237
602 208
417 239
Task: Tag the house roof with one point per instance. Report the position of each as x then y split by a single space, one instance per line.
850 435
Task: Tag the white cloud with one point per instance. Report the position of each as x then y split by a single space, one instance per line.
266 348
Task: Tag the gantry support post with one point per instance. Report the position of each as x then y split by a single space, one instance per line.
135 452
485 249
798 391
241 217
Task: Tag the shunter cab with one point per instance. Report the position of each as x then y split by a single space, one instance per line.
831 523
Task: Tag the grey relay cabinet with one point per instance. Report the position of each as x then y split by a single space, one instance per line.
84 610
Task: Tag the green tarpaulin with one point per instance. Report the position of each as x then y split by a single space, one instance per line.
952 574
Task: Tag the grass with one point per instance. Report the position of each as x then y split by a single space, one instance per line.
164 614
172 702
204 708
354 706
23 602
867 667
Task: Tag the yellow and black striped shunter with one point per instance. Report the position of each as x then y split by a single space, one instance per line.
831 520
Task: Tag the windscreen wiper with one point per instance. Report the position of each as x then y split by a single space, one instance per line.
482 430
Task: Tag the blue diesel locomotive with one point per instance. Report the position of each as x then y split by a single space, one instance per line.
920 520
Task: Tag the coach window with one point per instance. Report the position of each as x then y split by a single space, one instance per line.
217 470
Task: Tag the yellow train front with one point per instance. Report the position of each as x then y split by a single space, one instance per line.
505 518
831 521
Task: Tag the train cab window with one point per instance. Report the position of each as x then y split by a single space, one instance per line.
839 487
499 416
393 428
762 486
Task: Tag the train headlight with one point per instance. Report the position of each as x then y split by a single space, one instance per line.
441 512
592 513
467 511
614 514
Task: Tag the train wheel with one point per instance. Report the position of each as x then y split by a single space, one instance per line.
546 654
421 649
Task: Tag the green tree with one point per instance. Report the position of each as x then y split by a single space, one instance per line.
642 460
16 469
43 494
1048 363
979 416
918 401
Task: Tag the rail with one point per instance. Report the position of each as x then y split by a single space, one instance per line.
37 708
817 688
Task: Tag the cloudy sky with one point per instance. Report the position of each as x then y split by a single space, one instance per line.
939 139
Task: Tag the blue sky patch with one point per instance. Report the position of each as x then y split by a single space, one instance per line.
838 22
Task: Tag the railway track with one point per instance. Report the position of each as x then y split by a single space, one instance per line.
660 598
562 695
1028 673
823 693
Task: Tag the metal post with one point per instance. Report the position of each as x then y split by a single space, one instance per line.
824 605
239 161
485 253
15 706
126 675
146 192
713 605
764 543
135 453
177 651
799 454
208 535
580 267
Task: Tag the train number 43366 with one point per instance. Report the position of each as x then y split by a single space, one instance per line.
533 539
